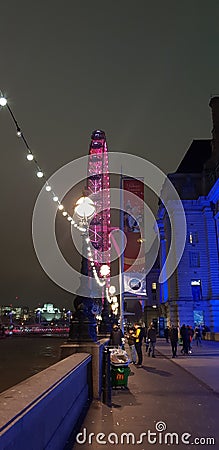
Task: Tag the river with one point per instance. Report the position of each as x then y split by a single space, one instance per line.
24 356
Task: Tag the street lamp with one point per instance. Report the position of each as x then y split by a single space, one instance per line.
85 208
83 326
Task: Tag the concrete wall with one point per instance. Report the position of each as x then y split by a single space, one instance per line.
40 413
212 336
96 350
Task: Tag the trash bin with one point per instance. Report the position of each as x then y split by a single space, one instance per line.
119 375
119 367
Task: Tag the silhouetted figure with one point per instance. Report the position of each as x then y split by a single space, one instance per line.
152 337
185 339
205 329
166 334
191 334
198 336
173 333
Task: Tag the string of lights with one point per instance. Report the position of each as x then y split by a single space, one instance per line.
40 174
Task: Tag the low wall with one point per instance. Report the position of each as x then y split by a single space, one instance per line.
41 412
96 350
212 336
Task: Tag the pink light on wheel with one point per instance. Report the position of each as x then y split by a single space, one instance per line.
98 180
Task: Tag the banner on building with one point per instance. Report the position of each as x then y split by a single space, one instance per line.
133 227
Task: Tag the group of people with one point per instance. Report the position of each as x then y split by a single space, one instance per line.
135 335
187 335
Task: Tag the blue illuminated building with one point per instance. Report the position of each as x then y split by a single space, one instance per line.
191 295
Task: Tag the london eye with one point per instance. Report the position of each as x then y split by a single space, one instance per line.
98 187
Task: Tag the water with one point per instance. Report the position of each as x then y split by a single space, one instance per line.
22 357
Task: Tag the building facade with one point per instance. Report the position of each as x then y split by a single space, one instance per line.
191 294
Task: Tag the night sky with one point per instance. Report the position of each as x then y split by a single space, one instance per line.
142 72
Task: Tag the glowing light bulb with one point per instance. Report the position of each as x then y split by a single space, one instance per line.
30 157
61 207
64 213
19 132
39 174
55 198
3 101
104 270
112 290
69 218
48 188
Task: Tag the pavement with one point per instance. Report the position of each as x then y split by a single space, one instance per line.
168 403
202 363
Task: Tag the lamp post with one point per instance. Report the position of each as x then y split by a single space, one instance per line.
83 325
106 324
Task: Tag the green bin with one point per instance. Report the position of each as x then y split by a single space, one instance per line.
119 376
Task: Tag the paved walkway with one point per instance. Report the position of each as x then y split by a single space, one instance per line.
203 362
164 396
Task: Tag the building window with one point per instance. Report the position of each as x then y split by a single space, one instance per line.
154 287
198 317
196 290
193 237
194 259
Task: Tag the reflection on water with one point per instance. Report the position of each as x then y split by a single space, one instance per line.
22 357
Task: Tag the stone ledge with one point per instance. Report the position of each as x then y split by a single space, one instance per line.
15 401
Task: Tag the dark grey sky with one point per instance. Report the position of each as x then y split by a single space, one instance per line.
142 72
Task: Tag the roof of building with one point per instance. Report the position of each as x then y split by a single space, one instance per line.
196 156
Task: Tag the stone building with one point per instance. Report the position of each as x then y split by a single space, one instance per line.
191 295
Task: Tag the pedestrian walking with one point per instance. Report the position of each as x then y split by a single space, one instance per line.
173 333
152 337
185 339
190 335
166 334
198 336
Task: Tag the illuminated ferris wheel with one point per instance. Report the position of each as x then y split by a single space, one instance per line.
98 186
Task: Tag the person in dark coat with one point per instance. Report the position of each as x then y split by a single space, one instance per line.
173 333
191 334
152 337
185 339
116 336
166 334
